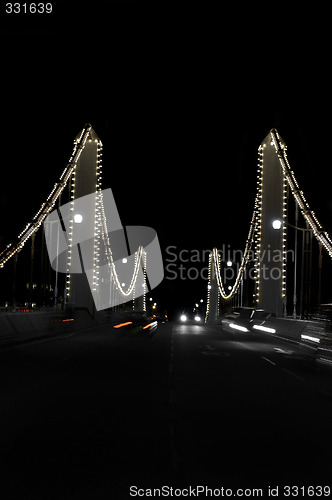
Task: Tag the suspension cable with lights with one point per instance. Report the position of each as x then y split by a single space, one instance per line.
309 216
140 256
46 207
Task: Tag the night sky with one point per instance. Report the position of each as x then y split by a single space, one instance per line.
180 114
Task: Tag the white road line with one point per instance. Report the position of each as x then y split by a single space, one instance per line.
269 361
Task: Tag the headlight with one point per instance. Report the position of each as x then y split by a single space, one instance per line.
197 318
183 317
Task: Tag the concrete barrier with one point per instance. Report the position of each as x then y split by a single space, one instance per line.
17 327
24 326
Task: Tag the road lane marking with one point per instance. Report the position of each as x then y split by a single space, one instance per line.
269 361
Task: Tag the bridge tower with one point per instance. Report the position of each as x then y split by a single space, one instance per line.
95 238
213 296
270 236
86 180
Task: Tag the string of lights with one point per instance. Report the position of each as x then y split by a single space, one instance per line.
140 257
259 208
214 260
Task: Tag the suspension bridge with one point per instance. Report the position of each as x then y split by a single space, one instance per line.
124 408
89 261
267 237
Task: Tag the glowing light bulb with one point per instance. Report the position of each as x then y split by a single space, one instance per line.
276 224
78 218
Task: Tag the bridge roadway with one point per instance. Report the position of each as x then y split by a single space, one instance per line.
88 415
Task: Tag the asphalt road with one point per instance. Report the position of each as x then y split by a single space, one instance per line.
89 415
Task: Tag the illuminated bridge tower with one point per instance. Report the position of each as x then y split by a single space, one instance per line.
101 269
213 295
270 237
86 180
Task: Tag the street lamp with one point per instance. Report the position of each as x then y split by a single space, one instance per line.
276 224
78 218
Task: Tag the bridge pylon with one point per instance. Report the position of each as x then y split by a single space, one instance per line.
271 228
85 180
213 295
103 269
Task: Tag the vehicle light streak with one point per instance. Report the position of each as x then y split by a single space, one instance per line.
308 337
154 323
123 324
264 328
238 327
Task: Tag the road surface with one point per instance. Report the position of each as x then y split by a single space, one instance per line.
91 414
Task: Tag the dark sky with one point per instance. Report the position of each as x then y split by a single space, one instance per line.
180 114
